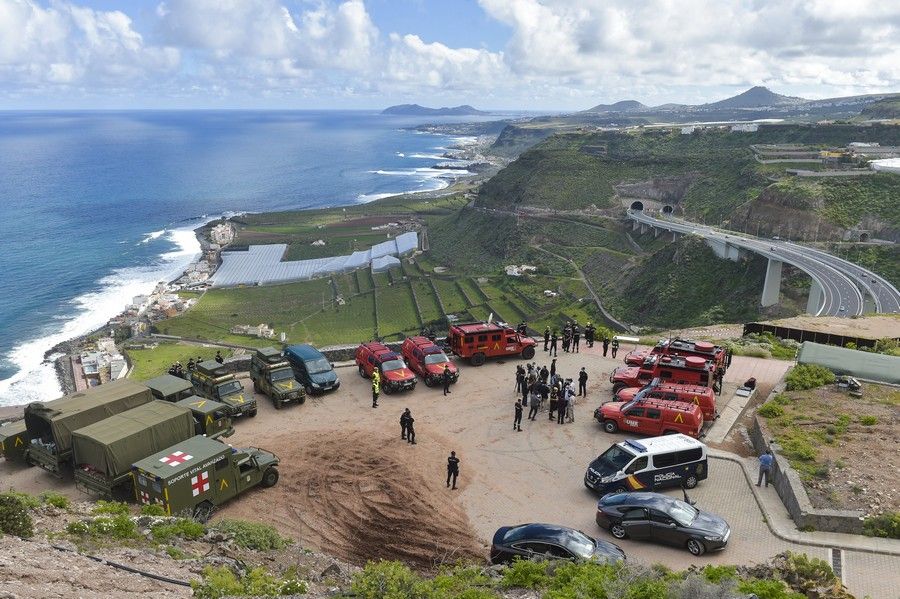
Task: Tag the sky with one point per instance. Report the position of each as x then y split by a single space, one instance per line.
493 54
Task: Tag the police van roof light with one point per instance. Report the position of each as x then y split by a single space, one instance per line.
635 444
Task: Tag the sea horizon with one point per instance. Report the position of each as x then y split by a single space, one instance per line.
105 203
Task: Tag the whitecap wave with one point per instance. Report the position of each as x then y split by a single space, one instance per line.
428 156
36 378
400 154
151 236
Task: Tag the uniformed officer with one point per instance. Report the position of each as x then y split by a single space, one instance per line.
546 338
589 334
447 378
517 423
404 423
190 365
576 337
452 468
376 388
219 357
410 429
582 382
615 346
553 339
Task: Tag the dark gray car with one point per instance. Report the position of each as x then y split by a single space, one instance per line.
663 519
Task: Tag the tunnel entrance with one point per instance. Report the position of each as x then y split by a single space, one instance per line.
864 237
637 206
667 209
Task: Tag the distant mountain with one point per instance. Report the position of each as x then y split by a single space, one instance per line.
621 106
756 97
416 110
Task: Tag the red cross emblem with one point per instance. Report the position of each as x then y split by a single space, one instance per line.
200 483
145 497
179 457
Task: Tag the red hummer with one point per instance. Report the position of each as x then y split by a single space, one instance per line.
658 391
680 347
395 374
428 360
683 370
479 340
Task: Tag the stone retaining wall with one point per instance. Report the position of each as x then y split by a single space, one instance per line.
793 494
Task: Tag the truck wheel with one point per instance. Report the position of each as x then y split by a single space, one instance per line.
362 372
308 389
256 386
252 413
690 482
388 389
429 382
270 477
278 403
302 399
610 426
203 511
528 353
477 359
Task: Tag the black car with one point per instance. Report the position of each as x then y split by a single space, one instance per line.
312 368
664 519
549 540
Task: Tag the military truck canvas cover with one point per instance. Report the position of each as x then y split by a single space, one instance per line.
114 444
206 407
56 420
168 385
270 355
211 368
13 440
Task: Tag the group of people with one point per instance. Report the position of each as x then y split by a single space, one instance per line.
571 339
540 386
180 371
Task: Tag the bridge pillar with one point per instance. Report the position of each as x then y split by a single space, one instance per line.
655 231
815 299
635 225
674 236
772 285
643 228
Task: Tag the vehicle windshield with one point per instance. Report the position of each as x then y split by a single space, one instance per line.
615 458
392 365
579 544
318 366
229 388
682 512
438 358
282 374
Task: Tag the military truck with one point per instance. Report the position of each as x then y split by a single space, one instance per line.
213 381
210 417
200 474
104 451
50 425
169 387
272 375
14 440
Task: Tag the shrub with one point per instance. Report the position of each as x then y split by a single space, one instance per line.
770 410
810 569
581 580
868 420
386 580
525 574
55 499
886 525
768 589
15 518
153 509
251 535
781 399
798 448
114 508
29 501
119 526
808 376
719 573
461 580
183 528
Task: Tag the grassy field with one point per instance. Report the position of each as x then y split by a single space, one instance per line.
148 363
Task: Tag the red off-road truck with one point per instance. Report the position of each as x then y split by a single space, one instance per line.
476 341
395 374
428 360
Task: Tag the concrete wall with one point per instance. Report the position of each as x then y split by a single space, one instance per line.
793 494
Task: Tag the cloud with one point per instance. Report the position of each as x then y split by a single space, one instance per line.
430 66
66 45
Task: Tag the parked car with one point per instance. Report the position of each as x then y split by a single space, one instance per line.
663 519
548 540
704 397
395 374
651 417
428 360
312 368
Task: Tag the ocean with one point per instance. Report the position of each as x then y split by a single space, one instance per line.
97 207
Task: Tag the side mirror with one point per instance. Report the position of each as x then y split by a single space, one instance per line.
671 525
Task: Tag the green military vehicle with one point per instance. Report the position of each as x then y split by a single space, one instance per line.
14 440
169 387
213 381
104 451
272 375
200 474
50 425
210 417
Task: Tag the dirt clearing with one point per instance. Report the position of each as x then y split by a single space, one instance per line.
361 500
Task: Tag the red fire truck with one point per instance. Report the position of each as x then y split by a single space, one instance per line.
479 340
682 370
680 347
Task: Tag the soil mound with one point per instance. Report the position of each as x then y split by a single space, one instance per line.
356 497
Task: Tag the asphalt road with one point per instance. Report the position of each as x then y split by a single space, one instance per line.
843 283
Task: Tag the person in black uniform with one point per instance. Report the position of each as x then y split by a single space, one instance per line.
410 429
615 347
553 339
582 383
546 338
544 374
452 468
589 334
219 357
576 338
404 423
605 346
190 365
447 378
520 378
517 423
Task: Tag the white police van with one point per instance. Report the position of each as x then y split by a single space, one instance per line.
648 464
